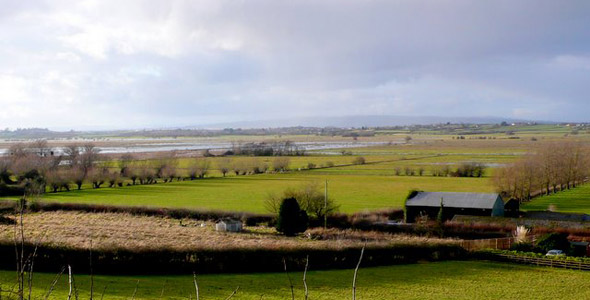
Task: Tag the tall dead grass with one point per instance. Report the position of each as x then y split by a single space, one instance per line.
112 231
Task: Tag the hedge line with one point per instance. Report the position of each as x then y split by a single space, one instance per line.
52 259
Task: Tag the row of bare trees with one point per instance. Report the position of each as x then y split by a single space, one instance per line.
551 168
77 164
39 163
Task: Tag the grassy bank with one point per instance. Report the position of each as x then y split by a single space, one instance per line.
576 200
440 280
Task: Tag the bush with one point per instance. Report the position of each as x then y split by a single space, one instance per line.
11 190
554 241
359 160
292 219
523 247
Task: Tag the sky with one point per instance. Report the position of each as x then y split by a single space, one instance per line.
148 64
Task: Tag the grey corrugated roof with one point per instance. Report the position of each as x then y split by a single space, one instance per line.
460 200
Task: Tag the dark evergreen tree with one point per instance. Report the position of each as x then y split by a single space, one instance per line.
292 219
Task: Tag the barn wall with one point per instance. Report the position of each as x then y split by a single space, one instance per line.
498 210
412 212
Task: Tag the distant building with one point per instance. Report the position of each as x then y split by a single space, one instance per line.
230 225
471 204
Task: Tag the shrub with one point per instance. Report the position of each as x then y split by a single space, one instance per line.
280 164
409 171
359 160
523 247
329 164
420 171
11 190
292 219
554 241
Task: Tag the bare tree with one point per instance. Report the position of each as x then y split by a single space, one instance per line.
98 176
224 165
89 156
199 168
280 163
553 167
311 199
77 176
72 152
18 150
125 162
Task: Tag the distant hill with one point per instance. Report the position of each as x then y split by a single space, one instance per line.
305 125
359 121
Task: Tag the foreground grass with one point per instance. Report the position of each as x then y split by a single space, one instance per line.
575 200
440 280
247 193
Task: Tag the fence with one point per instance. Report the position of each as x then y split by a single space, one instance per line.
497 244
548 262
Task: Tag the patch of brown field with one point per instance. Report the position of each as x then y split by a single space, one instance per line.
109 231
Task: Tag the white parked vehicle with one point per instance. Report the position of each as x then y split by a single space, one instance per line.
555 253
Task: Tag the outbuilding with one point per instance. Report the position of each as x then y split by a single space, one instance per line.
230 225
472 204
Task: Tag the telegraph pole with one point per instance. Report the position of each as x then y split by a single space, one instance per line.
326 205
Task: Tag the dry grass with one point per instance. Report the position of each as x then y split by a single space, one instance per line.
109 231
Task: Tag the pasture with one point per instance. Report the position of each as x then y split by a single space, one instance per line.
439 280
355 188
576 200
248 193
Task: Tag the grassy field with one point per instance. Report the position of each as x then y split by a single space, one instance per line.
575 200
355 187
440 280
247 193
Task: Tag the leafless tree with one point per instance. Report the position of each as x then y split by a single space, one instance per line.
199 168
280 164
310 197
72 152
125 162
89 156
224 165
98 176
552 167
18 150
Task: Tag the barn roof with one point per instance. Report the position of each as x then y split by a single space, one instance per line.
458 200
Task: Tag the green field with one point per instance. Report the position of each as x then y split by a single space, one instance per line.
247 193
371 186
575 200
440 280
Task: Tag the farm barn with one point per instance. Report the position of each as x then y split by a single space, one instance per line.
471 204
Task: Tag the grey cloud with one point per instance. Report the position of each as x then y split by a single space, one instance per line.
147 63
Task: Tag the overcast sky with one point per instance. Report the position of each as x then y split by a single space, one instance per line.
133 64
